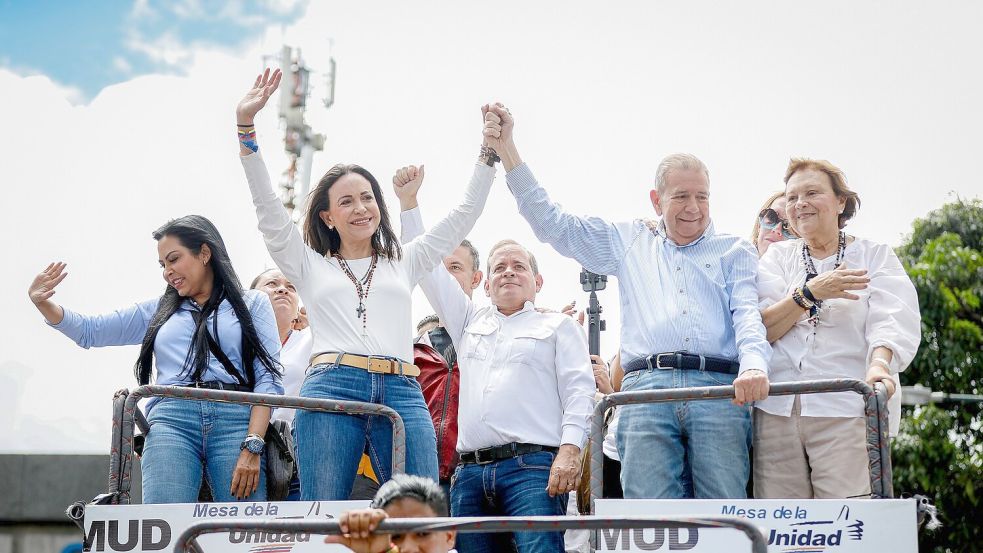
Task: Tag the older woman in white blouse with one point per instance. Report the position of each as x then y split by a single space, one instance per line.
835 306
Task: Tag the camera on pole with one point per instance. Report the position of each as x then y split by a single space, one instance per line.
592 282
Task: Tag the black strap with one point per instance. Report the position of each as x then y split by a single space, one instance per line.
222 358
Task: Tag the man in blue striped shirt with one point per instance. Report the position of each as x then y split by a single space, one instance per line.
689 317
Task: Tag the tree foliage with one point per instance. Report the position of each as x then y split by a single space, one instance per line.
939 452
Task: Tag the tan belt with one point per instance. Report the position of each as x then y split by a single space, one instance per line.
372 364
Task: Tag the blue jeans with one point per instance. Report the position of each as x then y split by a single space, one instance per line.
329 446
188 440
683 449
512 487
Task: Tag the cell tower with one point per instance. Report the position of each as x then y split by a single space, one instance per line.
300 141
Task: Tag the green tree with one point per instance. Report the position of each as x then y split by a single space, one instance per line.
939 452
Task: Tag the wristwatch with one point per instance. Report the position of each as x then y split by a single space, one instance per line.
253 444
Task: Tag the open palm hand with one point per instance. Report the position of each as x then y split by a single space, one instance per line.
254 100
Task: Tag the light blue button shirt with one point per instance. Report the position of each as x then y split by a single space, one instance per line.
127 326
701 297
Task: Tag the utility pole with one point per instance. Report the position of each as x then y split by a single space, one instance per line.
300 141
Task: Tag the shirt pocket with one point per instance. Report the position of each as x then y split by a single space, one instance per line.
528 346
478 340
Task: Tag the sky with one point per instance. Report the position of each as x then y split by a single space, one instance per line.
119 116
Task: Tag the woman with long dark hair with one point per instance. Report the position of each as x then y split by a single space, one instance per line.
204 332
355 281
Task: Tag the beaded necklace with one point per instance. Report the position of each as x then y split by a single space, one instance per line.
362 286
811 273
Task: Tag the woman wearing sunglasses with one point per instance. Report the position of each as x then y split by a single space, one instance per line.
772 224
834 306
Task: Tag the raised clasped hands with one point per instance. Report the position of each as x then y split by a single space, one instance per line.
497 131
836 283
254 100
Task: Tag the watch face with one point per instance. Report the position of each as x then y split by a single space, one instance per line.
254 446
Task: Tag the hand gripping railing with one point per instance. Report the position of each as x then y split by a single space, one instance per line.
125 412
875 409
187 541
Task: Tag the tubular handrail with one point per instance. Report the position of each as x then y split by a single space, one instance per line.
187 541
121 451
875 410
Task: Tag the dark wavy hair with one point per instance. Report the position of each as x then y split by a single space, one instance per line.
193 231
327 241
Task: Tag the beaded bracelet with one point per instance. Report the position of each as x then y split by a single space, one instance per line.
488 156
801 300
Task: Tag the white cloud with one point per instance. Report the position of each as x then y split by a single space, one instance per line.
166 49
598 97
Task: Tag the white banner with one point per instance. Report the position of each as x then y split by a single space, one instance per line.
137 528
801 526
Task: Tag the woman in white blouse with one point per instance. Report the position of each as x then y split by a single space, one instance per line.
835 306
355 281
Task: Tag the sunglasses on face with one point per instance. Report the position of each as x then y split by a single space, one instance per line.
768 219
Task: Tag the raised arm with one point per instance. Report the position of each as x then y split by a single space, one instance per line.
283 240
122 327
43 287
593 242
452 305
427 251
406 184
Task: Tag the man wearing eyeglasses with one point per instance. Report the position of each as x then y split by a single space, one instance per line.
689 318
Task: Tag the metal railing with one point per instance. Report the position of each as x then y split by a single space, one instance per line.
187 540
125 415
875 410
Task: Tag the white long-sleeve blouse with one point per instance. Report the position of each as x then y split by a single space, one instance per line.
848 331
329 295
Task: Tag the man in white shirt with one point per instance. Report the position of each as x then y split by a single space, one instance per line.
526 396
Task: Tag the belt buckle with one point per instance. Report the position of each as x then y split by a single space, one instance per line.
477 457
658 360
379 365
